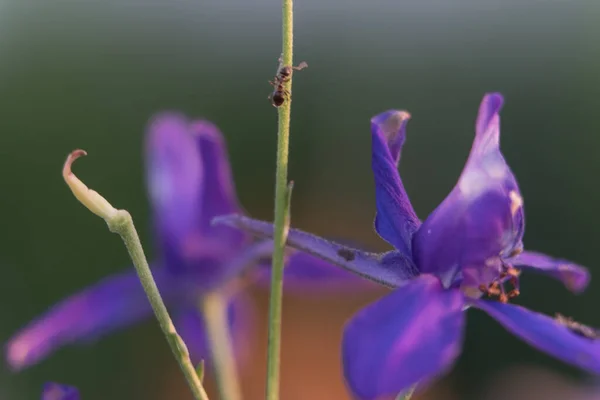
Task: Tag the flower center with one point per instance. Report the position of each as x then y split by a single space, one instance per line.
496 288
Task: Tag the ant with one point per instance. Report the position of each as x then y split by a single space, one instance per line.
284 74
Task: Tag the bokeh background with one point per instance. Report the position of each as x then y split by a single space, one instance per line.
89 74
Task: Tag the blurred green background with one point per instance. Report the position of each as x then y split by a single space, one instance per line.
89 74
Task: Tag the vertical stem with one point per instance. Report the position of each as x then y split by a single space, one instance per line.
281 213
214 311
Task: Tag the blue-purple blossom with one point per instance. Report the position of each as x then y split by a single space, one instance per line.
469 245
56 391
190 182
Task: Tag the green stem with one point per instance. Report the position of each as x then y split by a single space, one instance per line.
122 224
214 310
120 221
282 194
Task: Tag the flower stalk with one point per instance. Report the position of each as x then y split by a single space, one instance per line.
281 219
121 223
214 311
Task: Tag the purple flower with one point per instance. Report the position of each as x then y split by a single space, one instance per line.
56 391
470 244
190 182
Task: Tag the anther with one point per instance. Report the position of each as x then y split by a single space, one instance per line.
512 271
496 287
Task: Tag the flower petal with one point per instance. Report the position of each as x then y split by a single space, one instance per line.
218 197
56 391
216 265
307 273
109 305
396 220
546 334
304 272
390 269
575 277
483 215
190 325
190 182
410 335
175 180
250 256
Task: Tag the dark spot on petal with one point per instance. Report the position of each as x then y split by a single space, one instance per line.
264 260
346 254
577 328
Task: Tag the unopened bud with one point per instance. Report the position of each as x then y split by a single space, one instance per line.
89 198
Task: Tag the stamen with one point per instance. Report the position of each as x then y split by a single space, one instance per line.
516 251
496 287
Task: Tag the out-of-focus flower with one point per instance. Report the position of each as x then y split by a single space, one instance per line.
190 182
56 391
470 244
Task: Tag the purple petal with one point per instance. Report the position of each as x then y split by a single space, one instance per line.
306 273
175 182
483 215
190 182
218 264
190 325
410 335
111 304
396 220
390 269
219 197
250 256
546 334
56 391
575 277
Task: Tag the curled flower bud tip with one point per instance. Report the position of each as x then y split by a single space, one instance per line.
89 198
75 154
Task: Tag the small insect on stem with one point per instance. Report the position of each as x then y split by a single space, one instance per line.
284 74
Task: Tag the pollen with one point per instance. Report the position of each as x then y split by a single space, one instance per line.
496 287
516 202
